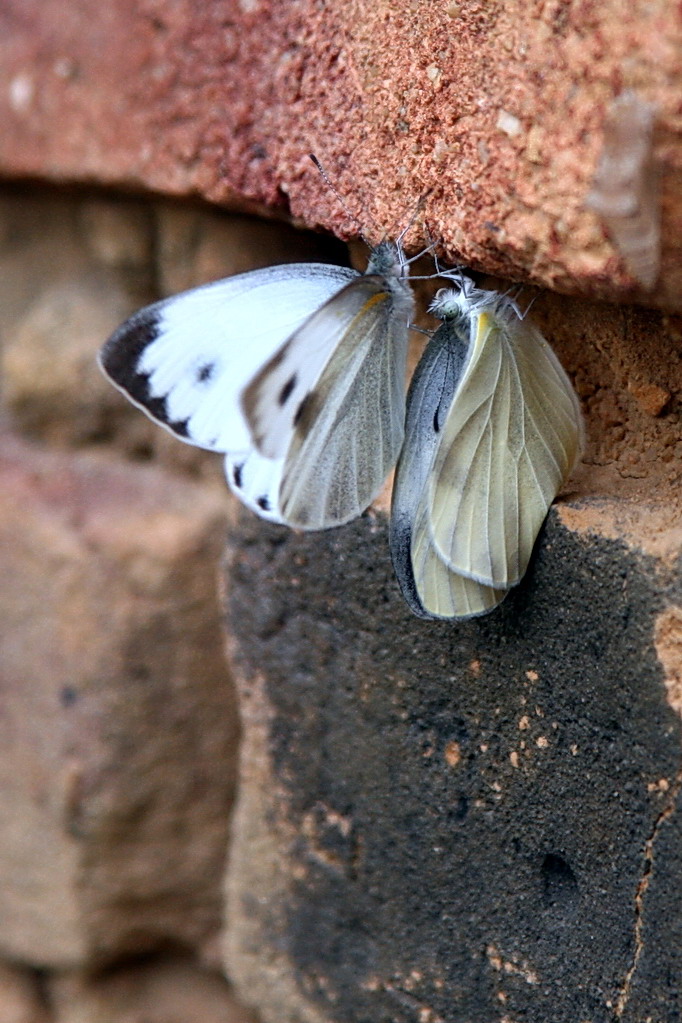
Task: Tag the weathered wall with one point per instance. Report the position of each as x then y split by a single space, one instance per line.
117 708
457 822
501 109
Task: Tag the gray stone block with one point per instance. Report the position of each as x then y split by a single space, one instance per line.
468 822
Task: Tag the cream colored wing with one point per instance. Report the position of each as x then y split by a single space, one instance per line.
509 441
430 587
442 592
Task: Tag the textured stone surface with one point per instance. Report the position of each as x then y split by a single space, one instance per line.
118 728
413 829
20 998
475 821
167 991
62 291
502 110
72 268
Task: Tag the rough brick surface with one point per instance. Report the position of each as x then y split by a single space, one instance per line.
475 821
118 726
415 836
503 111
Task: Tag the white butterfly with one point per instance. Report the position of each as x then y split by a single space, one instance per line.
493 431
296 373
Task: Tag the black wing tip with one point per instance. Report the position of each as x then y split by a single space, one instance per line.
119 358
120 353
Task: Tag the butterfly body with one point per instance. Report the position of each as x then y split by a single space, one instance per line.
294 372
493 430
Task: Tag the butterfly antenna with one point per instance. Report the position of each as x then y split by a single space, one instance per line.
339 198
511 297
530 305
417 210
429 248
424 252
456 275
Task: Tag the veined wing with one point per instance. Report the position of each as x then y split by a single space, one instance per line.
348 429
428 584
510 440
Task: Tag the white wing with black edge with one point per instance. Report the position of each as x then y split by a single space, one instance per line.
295 372
186 360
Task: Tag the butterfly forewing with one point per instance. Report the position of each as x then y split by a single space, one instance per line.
186 360
348 429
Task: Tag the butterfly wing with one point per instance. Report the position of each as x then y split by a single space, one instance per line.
185 360
430 587
332 403
256 482
444 593
511 437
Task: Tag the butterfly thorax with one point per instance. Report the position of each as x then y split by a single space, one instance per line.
452 307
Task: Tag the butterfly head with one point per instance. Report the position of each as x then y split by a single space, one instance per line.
466 300
451 303
388 260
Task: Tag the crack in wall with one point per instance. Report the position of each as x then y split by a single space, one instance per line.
642 887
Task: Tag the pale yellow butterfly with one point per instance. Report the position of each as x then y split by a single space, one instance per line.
493 430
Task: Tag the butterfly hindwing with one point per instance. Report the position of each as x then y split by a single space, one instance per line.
510 440
331 402
349 429
275 398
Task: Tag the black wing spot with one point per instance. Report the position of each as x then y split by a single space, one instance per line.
263 503
237 475
205 373
285 393
181 427
436 422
